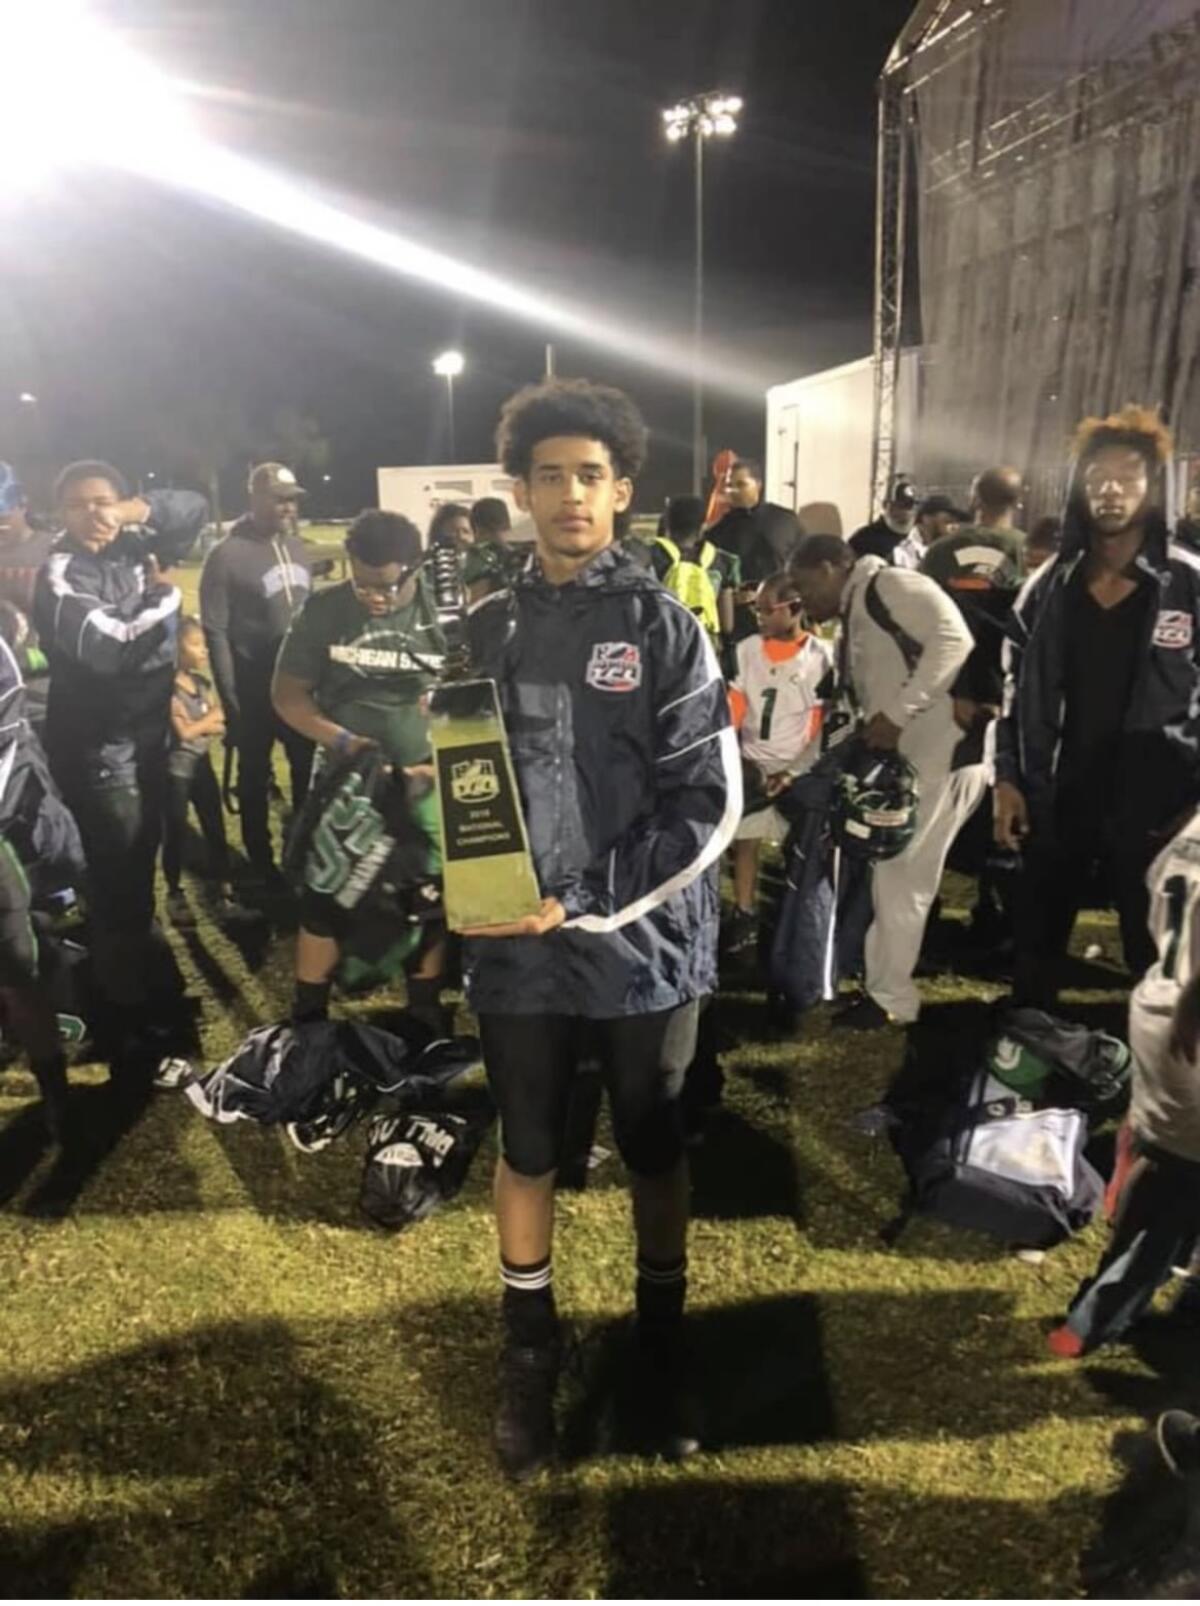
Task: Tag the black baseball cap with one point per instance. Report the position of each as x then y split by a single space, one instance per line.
937 503
903 493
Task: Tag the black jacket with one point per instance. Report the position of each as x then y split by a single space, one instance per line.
875 540
110 639
630 781
1161 728
34 821
251 590
762 538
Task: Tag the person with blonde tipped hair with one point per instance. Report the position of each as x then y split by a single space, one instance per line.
1098 752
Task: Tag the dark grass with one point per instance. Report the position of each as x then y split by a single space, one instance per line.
216 1380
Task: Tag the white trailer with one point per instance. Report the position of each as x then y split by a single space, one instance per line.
819 442
419 492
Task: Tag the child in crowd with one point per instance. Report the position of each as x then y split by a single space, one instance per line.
777 706
1157 1217
196 718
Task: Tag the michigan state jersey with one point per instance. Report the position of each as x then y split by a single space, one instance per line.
367 672
1165 1106
777 700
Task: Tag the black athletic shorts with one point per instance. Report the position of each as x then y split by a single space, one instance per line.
532 1059
18 943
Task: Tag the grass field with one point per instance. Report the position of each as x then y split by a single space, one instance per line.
215 1380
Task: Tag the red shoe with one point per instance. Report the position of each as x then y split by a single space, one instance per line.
1123 1163
1065 1343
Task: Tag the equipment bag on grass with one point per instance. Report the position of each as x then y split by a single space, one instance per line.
418 1159
992 1163
1055 1061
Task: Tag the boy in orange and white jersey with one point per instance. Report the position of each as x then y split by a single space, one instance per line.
777 704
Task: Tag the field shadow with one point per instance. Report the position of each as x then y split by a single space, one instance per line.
262 1459
1147 1543
24 1143
743 1170
722 1538
101 1118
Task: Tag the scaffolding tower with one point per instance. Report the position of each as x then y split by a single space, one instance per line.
1011 171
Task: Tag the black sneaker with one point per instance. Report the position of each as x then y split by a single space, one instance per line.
524 1431
740 936
863 1016
668 1405
1178 1434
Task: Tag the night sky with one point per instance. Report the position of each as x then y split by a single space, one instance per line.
522 135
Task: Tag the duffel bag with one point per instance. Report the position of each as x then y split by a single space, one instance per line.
995 1164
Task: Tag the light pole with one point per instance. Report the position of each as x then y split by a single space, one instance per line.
448 365
701 117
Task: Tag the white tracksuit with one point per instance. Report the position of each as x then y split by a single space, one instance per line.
919 702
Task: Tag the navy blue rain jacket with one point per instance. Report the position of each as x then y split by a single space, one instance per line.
631 785
1161 745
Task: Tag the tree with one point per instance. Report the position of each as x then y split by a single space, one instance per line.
201 435
296 438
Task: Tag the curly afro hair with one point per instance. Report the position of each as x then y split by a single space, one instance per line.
572 407
1139 428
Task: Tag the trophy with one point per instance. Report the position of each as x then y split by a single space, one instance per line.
488 876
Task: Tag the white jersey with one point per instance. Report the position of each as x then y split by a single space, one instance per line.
780 703
910 553
1165 1104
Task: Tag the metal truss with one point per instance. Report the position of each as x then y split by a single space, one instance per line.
1095 105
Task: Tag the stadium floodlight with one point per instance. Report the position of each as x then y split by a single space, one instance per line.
148 131
61 44
707 116
448 365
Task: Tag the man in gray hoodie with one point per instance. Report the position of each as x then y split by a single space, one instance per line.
254 584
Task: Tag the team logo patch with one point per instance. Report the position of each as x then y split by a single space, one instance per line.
474 781
614 666
1173 628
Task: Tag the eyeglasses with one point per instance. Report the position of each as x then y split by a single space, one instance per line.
385 593
762 611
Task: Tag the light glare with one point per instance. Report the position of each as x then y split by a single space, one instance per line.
147 131
449 364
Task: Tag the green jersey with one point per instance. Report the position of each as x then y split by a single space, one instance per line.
976 560
369 674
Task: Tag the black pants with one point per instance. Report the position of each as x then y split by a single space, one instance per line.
121 825
259 728
531 1062
198 789
1054 879
1156 1224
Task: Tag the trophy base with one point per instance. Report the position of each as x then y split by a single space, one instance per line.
488 874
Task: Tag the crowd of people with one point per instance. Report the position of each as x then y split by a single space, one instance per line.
663 697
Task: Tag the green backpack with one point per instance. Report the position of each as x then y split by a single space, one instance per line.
690 581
